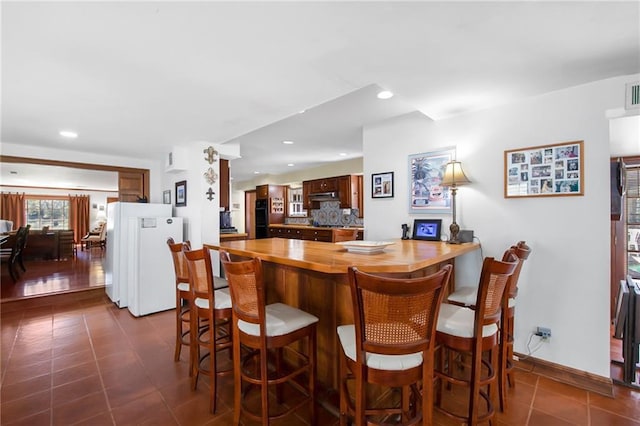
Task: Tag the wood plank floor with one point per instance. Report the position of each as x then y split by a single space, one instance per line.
74 358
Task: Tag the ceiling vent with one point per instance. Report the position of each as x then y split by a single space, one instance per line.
633 96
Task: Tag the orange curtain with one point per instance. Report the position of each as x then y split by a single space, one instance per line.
79 215
12 208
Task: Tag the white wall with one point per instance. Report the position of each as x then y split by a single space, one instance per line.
565 283
156 167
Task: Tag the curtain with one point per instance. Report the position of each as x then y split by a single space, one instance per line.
79 215
12 208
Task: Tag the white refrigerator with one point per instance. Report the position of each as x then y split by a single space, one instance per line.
121 254
151 281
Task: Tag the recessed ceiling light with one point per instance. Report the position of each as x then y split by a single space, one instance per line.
287 142
302 111
385 94
256 173
68 134
343 154
290 165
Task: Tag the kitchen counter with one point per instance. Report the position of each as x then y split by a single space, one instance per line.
308 232
300 226
312 276
233 236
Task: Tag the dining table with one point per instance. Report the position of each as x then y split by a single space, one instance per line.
313 276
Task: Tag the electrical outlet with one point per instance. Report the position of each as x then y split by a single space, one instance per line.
543 332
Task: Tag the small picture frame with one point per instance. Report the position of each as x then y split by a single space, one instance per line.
181 193
166 196
382 185
427 229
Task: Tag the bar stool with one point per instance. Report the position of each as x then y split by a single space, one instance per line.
183 298
522 250
391 344
214 307
261 328
464 330
466 296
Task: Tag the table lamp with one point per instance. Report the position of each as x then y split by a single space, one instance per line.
453 177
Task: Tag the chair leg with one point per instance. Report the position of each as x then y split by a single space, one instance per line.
176 355
237 375
213 378
344 390
312 376
264 388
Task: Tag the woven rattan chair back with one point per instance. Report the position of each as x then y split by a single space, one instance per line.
396 316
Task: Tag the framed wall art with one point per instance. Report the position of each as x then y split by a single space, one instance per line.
546 170
426 170
181 193
166 196
382 185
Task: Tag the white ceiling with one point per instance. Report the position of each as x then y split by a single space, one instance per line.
135 79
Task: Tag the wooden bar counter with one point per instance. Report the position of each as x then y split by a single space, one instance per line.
312 276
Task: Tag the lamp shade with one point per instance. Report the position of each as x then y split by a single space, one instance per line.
454 175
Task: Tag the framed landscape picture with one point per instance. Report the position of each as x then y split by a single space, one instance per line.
426 170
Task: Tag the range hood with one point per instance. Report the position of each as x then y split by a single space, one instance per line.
324 196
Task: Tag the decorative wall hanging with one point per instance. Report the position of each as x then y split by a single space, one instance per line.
210 194
210 176
545 170
277 205
166 196
212 155
426 170
382 185
181 193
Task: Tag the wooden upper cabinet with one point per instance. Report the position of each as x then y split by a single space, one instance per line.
350 192
323 185
133 186
262 192
224 184
306 190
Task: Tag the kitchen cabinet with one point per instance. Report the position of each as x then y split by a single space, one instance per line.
306 190
224 184
323 185
305 233
349 191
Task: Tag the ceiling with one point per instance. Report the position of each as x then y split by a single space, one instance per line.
136 78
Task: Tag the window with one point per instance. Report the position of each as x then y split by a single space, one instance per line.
632 175
50 212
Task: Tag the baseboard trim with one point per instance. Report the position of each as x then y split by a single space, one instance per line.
563 374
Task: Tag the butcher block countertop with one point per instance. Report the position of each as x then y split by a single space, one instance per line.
401 256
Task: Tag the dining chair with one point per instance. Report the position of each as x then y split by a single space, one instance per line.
344 234
184 298
390 344
467 296
13 256
212 307
522 250
474 332
268 329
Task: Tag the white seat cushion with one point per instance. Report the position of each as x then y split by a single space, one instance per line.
281 319
347 336
183 286
512 302
219 282
222 299
459 321
466 296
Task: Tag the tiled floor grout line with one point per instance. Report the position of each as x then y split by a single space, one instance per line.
95 359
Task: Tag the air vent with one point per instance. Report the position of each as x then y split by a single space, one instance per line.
633 96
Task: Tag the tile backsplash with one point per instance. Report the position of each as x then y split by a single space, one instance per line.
329 214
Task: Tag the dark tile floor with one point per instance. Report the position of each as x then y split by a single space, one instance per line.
75 358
